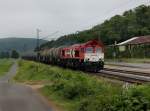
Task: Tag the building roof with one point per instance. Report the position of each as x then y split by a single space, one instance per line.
136 40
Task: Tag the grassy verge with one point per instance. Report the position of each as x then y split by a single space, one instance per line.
76 91
5 64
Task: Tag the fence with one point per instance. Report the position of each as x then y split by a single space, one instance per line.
128 51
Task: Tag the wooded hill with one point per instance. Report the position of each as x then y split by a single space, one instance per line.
131 23
21 45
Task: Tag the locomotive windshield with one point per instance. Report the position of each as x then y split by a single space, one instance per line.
89 50
98 50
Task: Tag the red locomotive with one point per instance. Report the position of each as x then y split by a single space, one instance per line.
88 56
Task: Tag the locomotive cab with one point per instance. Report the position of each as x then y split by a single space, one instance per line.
94 56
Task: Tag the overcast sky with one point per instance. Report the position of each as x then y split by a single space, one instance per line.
20 18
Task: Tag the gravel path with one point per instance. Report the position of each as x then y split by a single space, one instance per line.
16 97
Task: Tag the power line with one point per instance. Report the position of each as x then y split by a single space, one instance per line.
50 35
38 40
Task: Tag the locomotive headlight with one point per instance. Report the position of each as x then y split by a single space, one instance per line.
87 59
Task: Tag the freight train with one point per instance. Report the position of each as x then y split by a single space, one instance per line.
88 56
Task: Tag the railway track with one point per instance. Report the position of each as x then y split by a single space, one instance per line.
128 71
124 75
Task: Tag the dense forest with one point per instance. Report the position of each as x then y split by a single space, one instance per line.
131 23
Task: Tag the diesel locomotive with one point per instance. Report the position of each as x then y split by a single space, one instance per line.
88 56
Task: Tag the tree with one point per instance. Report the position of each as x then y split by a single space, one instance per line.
119 28
14 54
4 54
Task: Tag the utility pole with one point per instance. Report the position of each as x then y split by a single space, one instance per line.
38 40
38 44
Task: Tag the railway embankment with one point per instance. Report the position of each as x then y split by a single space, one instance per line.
77 91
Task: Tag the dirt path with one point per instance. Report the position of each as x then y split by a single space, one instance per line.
16 97
10 74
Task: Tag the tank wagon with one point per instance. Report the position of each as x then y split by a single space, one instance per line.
88 56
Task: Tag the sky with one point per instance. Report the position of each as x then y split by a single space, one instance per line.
21 18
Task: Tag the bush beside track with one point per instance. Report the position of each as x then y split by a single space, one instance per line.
76 91
5 64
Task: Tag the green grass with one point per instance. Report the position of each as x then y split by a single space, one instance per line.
77 91
5 65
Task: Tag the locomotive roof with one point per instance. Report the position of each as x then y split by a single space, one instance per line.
92 42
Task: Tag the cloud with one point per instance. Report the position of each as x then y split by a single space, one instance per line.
22 17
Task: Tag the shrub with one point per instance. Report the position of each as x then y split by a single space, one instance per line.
131 100
85 93
73 89
98 103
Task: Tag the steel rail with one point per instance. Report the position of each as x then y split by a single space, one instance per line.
126 76
128 71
